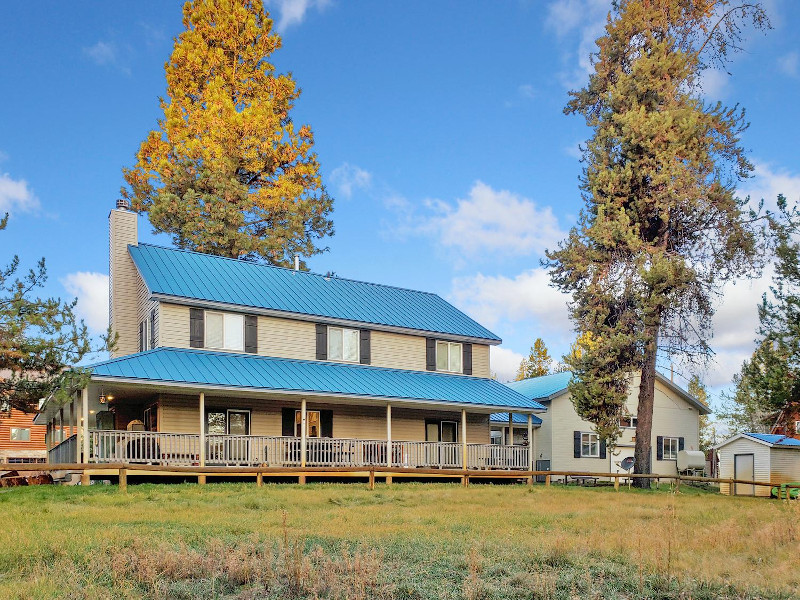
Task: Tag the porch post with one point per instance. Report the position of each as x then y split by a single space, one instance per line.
72 417
388 435
61 421
202 429
510 439
47 436
530 442
464 438
85 428
303 427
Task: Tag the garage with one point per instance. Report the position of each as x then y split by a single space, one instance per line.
758 457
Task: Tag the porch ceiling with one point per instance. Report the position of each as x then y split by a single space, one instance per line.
182 370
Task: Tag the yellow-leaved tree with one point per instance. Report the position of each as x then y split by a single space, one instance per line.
227 172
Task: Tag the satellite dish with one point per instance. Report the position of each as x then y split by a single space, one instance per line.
627 463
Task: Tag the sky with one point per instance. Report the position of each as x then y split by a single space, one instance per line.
439 127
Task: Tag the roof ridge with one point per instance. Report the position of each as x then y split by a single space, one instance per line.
291 270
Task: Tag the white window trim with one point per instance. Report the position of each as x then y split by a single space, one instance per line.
205 331
13 429
357 359
449 349
590 434
664 441
633 418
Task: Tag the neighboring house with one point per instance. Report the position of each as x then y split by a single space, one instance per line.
779 428
758 457
565 442
228 362
20 439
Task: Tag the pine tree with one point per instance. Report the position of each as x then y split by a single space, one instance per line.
228 172
662 228
537 363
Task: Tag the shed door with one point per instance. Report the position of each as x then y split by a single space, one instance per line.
744 468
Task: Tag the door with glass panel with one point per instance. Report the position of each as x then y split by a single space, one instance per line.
234 424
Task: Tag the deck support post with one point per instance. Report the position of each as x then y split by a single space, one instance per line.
85 428
464 439
260 480
389 441
372 479
530 442
123 480
547 480
202 453
201 480
85 479
303 434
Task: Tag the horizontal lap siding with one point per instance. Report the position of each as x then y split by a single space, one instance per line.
761 463
785 465
125 283
480 361
173 325
19 419
397 351
286 338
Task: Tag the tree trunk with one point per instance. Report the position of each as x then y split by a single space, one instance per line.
644 425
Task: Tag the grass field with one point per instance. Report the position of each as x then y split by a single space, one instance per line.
401 541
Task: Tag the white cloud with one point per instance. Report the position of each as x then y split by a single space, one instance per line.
767 182
293 12
505 363
578 23
102 53
789 64
492 221
16 196
91 289
347 178
527 297
714 84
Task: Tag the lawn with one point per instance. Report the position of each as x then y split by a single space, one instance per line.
401 541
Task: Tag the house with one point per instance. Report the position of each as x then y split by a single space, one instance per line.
21 440
784 418
227 362
565 442
758 457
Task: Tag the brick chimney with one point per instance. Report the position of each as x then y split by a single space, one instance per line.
123 279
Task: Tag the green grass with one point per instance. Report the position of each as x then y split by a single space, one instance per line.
401 541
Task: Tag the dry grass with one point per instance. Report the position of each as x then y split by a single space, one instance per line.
403 541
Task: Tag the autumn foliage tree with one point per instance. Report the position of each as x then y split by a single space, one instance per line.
537 362
662 227
227 171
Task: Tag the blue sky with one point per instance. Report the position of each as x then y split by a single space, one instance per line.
439 128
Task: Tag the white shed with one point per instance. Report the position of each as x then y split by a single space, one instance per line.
758 457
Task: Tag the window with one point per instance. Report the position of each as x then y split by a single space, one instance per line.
224 331
590 445
142 336
151 418
496 437
152 328
441 431
628 422
312 423
670 448
20 434
22 459
231 422
343 344
448 356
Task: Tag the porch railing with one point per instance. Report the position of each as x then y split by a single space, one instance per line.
183 449
65 452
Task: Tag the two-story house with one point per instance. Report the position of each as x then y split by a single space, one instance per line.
228 362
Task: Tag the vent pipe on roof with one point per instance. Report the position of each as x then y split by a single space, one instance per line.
296 262
123 204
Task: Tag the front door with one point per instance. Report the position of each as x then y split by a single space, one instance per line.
230 422
744 468
542 465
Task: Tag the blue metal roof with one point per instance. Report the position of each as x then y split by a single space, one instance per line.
775 439
253 372
195 276
517 419
537 388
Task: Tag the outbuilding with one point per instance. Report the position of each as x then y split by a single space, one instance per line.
758 457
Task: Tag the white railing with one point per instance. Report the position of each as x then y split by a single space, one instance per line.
65 452
183 449
495 456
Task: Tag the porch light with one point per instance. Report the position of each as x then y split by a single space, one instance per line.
102 399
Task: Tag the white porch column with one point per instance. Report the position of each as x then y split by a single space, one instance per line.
202 429
530 442
464 438
388 435
510 440
303 433
85 428
72 417
61 423
47 436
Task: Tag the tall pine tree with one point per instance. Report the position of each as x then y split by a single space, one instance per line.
228 172
662 228
537 363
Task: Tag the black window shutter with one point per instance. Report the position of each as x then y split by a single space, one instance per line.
576 437
466 363
365 339
141 336
322 342
153 328
660 447
430 354
196 327
251 334
680 443
287 421
326 423
602 448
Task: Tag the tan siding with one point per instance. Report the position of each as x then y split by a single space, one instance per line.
286 338
123 281
761 463
480 361
144 306
785 465
397 351
173 325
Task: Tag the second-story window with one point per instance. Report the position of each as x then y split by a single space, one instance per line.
224 331
448 356
343 344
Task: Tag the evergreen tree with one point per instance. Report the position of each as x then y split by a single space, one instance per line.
227 172
662 228
537 363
